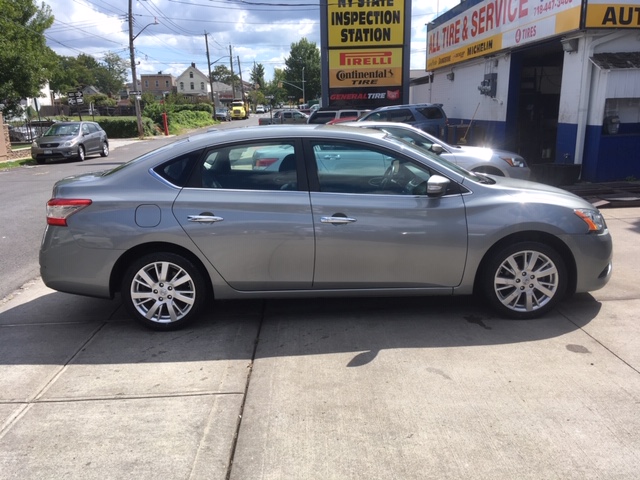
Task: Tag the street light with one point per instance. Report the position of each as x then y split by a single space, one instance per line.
295 86
132 37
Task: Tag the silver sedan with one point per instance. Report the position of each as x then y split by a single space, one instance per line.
349 211
476 159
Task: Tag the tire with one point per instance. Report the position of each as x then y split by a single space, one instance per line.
104 152
40 161
163 291
524 280
81 155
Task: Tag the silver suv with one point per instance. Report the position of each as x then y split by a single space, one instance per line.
429 117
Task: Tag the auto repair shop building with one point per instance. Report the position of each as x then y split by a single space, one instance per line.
556 80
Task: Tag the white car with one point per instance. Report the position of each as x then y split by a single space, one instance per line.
260 109
474 159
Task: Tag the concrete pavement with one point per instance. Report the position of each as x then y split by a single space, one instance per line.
405 388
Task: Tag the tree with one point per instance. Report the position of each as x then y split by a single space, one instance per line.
112 74
257 75
276 88
222 74
303 63
84 70
25 60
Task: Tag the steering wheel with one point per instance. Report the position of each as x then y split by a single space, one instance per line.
398 177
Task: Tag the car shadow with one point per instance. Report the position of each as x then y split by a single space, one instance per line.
56 327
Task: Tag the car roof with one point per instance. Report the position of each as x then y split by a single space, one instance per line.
269 132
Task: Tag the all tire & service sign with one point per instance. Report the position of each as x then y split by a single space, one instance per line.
365 52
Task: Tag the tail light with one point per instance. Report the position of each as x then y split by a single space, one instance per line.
265 162
59 209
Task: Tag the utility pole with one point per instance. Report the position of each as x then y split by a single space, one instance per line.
241 82
233 84
213 100
133 72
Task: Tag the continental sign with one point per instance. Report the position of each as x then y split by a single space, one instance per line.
380 67
358 23
493 25
607 14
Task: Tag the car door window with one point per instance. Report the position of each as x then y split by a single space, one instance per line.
256 166
349 168
85 129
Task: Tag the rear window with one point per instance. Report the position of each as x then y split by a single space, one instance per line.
432 113
403 115
322 117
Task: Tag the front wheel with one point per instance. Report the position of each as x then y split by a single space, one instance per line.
163 291
524 280
80 153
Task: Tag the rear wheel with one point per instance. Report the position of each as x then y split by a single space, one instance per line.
163 291
81 153
525 280
104 152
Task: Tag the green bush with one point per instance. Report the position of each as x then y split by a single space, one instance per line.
126 127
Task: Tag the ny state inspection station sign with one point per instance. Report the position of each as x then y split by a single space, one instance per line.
365 51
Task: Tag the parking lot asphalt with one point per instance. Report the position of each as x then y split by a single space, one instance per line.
403 388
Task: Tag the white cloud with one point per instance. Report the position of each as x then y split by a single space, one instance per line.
257 33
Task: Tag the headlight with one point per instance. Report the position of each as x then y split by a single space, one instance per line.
593 218
69 143
515 162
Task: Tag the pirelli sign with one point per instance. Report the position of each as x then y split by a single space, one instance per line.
364 57
365 68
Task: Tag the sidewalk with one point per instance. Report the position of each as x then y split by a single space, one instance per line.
406 388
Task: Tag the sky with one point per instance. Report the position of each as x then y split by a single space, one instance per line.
171 33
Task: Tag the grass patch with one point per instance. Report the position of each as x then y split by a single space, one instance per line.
24 162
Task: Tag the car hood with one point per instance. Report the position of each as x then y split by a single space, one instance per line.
528 191
56 138
484 152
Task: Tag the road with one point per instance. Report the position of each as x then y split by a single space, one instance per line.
25 191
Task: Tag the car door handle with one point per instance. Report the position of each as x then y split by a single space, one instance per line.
205 217
337 220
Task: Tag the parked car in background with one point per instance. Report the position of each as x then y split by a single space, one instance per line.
28 131
67 140
223 114
347 211
475 159
260 109
429 117
289 116
325 115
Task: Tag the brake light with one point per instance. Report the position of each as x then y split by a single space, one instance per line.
59 209
265 162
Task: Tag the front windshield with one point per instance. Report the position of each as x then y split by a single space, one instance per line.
62 129
435 158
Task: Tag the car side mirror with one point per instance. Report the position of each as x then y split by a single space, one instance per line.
437 148
437 185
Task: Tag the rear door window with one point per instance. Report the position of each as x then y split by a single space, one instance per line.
253 166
